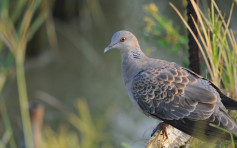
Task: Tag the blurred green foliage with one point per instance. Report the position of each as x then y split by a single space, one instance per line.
218 46
16 37
163 30
61 139
92 132
125 145
219 49
16 29
87 132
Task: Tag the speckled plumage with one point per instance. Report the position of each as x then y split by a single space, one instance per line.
166 91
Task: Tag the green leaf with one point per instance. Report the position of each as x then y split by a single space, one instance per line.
125 145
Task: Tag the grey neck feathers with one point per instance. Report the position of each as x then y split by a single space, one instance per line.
136 54
132 63
133 56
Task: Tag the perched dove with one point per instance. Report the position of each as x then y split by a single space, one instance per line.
176 95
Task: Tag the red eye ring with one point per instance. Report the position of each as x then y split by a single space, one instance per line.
123 39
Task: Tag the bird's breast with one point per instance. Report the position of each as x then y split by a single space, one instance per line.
129 72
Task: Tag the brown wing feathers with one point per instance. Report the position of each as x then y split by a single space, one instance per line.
157 85
159 90
171 94
227 102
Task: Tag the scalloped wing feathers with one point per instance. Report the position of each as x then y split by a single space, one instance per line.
174 94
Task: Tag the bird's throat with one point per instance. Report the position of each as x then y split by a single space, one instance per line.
132 63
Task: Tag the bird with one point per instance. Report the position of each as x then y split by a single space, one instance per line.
173 94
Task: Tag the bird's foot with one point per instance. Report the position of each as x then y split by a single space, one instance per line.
164 131
161 127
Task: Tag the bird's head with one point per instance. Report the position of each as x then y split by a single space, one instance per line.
124 41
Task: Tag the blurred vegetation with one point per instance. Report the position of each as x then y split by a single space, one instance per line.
87 132
219 50
17 27
218 47
16 39
163 30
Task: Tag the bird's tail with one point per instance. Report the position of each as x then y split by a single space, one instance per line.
228 102
203 130
228 123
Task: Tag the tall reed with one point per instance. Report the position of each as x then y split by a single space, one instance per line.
218 46
16 39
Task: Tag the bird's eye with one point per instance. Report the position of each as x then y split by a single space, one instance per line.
122 39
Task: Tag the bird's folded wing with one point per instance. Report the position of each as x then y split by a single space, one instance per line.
172 94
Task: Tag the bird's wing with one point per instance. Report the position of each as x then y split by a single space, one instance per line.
183 100
172 94
229 103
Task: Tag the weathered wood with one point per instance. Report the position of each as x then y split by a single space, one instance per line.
176 138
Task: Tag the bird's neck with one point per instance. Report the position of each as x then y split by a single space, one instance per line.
132 62
134 55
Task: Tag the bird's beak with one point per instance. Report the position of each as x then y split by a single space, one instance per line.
106 49
109 47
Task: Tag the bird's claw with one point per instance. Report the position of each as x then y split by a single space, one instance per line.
161 127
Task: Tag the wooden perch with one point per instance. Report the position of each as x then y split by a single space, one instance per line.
176 138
